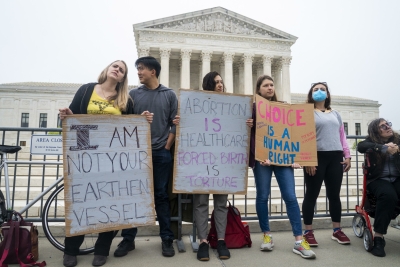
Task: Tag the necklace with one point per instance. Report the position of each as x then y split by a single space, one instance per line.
104 95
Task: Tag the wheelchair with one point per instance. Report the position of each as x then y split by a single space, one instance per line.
361 221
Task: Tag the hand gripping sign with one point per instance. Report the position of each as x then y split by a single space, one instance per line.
108 173
212 143
285 133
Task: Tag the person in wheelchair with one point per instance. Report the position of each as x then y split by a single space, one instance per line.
383 176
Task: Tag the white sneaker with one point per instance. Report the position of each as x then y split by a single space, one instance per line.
303 249
268 243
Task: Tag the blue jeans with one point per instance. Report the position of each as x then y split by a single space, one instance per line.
285 177
162 167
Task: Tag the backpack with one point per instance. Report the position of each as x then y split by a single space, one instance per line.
237 234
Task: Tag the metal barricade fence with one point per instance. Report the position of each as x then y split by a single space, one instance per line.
29 178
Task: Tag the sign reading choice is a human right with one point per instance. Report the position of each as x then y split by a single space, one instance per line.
212 143
285 133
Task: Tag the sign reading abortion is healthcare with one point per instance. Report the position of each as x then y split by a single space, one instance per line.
108 173
212 143
285 133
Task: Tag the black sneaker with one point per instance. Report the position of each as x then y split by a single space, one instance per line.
202 252
69 261
379 247
168 248
123 247
223 251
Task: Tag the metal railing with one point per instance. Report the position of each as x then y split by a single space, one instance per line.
22 136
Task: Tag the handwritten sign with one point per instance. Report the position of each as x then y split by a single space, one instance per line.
285 133
108 173
212 143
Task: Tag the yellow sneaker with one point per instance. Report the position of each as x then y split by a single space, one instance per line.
268 243
303 249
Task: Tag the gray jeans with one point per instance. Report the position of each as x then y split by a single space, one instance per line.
201 214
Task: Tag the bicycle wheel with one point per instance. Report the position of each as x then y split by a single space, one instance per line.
55 205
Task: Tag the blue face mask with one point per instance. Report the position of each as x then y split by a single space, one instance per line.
319 95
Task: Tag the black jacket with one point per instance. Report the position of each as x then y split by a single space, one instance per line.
82 97
374 164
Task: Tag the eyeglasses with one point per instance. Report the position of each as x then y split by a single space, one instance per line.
386 126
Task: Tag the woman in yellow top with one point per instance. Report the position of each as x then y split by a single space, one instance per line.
108 96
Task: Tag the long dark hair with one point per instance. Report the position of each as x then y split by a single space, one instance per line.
327 104
260 81
209 83
375 136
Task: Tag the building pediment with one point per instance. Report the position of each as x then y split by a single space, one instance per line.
216 20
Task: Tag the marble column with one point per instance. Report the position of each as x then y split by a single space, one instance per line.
143 51
222 69
267 60
248 73
285 61
206 62
164 75
260 68
185 68
200 75
260 71
235 70
228 71
241 77
277 70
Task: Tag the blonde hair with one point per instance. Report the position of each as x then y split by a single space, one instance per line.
122 96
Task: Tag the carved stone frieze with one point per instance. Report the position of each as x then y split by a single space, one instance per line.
248 58
186 53
217 23
206 55
267 59
229 56
148 37
143 51
286 60
165 52
25 103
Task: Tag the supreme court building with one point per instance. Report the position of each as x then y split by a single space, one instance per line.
188 46
239 48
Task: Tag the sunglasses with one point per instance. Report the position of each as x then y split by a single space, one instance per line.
324 83
386 126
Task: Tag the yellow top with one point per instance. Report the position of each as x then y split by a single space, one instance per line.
98 105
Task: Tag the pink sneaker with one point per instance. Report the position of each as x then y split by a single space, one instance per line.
311 239
340 237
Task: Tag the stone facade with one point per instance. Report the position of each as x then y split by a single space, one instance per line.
239 48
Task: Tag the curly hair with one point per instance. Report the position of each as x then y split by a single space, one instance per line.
209 83
327 104
375 135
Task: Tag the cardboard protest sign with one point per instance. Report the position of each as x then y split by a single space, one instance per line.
212 143
107 172
285 133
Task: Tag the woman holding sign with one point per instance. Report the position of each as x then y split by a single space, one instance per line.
284 175
331 149
108 96
211 82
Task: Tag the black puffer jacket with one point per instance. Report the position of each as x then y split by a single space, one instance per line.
374 165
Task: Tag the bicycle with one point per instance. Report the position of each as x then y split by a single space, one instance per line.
6 209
